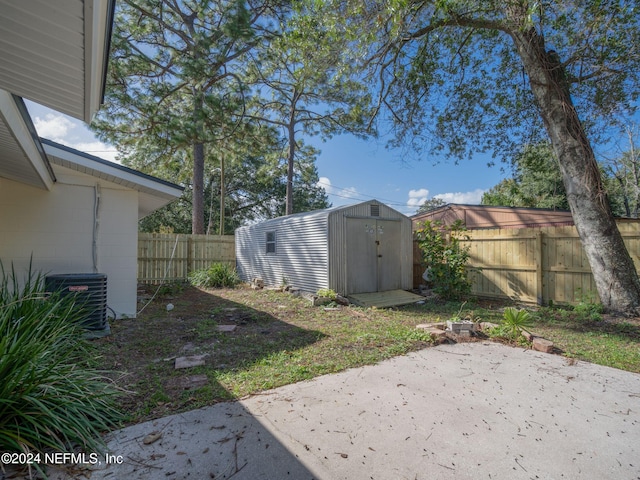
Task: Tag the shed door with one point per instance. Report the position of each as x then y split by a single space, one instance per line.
373 255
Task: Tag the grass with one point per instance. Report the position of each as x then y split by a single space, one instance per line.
583 335
281 339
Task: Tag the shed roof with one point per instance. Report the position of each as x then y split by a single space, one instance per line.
315 214
154 192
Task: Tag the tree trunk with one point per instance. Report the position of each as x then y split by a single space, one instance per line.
222 194
615 275
197 214
290 164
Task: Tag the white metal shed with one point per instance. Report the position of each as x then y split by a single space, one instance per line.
351 249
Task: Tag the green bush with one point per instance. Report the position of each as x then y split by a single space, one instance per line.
50 399
218 275
446 257
327 293
514 322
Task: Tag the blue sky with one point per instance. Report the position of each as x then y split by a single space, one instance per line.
350 169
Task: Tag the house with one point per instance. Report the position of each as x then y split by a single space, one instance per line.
351 249
66 211
487 216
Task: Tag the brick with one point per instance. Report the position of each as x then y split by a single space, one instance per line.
542 345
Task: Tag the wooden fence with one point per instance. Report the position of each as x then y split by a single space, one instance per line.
173 256
535 265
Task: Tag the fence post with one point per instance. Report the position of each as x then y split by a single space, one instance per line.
539 254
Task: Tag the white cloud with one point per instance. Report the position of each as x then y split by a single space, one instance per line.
472 198
72 133
54 127
340 192
417 197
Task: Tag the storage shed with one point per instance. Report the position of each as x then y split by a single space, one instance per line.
351 249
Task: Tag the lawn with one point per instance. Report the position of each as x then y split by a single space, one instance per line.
280 338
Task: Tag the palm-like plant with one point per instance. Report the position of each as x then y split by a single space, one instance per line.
515 321
50 399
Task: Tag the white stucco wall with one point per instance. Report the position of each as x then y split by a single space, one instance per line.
56 228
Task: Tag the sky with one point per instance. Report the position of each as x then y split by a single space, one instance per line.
351 170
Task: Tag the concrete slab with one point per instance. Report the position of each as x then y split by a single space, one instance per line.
390 298
465 411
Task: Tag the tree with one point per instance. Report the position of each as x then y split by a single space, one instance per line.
536 182
300 89
431 204
255 183
462 75
625 170
171 87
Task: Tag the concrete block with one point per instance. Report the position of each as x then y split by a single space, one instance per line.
460 327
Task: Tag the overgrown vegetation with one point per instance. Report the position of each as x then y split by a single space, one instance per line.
445 257
218 275
280 338
50 397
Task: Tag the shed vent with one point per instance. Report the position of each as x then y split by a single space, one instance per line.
375 210
90 290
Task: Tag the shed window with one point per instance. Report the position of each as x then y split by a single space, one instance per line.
375 210
271 242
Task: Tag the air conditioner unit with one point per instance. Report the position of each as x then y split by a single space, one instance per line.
90 290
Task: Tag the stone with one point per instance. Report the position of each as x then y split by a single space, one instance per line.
226 328
152 437
315 301
542 345
438 334
342 300
487 326
189 361
440 325
195 381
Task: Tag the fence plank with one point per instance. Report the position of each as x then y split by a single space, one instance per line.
171 257
535 265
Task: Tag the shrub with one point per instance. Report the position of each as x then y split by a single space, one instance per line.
446 257
327 293
50 399
218 275
588 308
514 321
517 320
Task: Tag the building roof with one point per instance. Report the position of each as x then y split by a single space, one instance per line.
489 216
55 54
154 192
